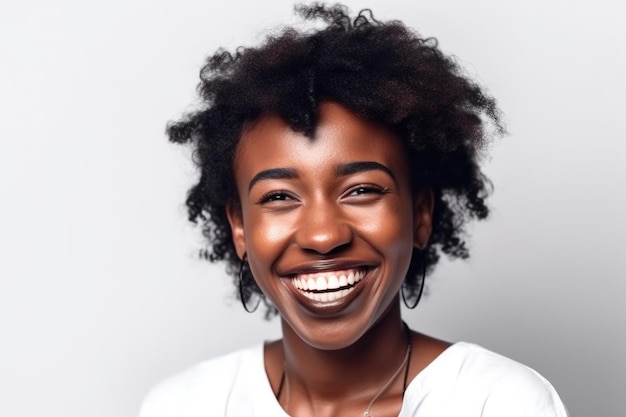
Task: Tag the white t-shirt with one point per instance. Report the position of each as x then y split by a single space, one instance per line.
466 380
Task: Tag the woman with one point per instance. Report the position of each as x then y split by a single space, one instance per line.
336 166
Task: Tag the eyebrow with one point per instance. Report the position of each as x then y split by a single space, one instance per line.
356 167
273 174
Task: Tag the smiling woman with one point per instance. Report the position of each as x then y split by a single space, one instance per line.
336 166
315 213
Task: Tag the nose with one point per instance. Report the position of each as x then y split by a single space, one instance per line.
323 229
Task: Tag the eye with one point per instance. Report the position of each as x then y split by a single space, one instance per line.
365 190
275 196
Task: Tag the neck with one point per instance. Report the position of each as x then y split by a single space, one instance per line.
356 372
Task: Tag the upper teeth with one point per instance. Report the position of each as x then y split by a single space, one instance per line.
323 281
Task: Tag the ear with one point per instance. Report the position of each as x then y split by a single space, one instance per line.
423 206
235 219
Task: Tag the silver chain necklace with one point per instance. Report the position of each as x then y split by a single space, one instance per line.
368 412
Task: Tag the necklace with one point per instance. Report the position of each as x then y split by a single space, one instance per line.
404 365
367 412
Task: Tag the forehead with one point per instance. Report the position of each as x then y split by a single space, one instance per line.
340 137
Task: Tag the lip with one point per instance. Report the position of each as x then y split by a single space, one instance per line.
329 301
325 265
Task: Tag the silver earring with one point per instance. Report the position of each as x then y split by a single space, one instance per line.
421 288
245 293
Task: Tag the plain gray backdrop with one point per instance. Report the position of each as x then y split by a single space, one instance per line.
101 292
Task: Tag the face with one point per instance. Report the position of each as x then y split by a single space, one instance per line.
328 224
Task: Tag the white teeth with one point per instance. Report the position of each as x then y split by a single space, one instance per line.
327 286
343 281
321 284
333 282
327 296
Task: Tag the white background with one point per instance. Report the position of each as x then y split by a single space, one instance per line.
101 293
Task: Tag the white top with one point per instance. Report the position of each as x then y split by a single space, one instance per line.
466 380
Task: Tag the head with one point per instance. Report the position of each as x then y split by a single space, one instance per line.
382 75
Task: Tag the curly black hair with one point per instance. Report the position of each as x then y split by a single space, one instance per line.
382 71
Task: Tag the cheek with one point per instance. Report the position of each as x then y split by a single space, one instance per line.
390 221
390 229
266 237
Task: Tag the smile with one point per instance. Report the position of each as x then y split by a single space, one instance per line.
329 285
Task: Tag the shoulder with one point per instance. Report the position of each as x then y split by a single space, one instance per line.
514 389
475 378
203 389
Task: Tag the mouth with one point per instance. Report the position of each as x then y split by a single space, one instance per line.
328 286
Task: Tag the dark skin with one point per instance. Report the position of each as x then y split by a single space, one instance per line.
339 204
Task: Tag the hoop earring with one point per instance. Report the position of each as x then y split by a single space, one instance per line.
421 289
245 269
